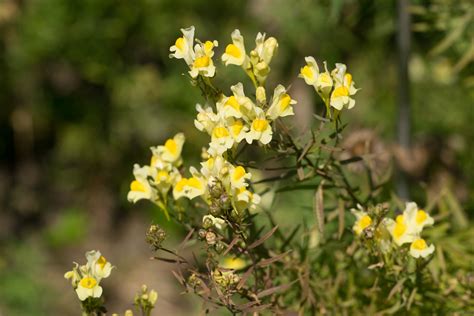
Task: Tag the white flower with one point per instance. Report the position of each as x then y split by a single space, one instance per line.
265 48
99 266
221 140
171 151
260 129
237 130
363 220
419 248
203 64
217 222
247 200
343 89
183 47
88 287
140 188
281 104
310 72
190 187
235 52
238 176
206 119
417 217
73 275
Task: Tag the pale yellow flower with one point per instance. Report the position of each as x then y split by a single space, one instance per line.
363 220
419 248
260 129
203 63
171 151
238 177
88 287
221 140
97 264
281 104
140 188
234 263
206 119
183 47
235 53
189 187
343 88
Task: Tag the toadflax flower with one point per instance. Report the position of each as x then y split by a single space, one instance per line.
140 188
88 287
235 52
281 104
183 47
419 248
363 220
260 129
97 263
86 278
203 64
343 88
170 152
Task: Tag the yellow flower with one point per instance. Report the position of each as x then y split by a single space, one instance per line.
206 119
418 218
183 47
170 152
73 275
189 187
310 72
88 287
343 89
234 263
221 140
235 52
238 176
246 200
203 64
98 266
265 48
363 220
419 248
281 104
260 129
140 188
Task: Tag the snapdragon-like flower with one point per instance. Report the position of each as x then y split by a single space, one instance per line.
97 263
281 104
189 187
203 63
419 248
343 88
183 47
235 53
260 129
140 188
86 279
363 220
170 152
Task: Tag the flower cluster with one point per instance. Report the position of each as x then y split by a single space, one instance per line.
238 118
335 88
405 229
257 64
86 278
153 182
198 57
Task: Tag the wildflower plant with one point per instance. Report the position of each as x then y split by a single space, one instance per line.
242 260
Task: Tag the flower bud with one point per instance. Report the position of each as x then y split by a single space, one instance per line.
211 238
261 95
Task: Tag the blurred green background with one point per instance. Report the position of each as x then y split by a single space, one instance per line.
86 87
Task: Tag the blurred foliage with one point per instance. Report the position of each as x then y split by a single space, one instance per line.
87 86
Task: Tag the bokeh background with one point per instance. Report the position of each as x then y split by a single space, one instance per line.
86 87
